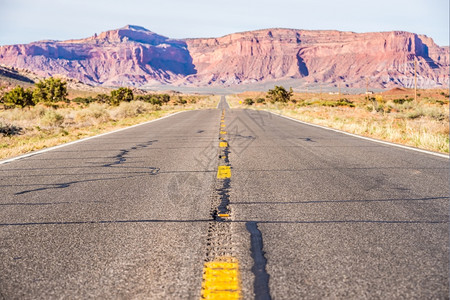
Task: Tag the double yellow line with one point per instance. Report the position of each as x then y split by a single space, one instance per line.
223 172
221 276
221 279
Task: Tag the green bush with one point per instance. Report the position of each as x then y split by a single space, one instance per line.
102 98
83 100
249 101
279 94
260 100
340 102
155 99
402 100
164 98
121 95
180 101
18 97
50 90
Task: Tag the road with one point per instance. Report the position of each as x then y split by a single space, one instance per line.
296 212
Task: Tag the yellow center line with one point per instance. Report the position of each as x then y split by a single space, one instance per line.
223 132
223 144
221 279
223 172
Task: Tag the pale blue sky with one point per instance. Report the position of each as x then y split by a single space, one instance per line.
24 21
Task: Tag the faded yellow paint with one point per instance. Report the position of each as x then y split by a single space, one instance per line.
221 279
223 132
223 172
222 125
223 144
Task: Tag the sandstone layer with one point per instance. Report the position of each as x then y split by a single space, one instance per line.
135 56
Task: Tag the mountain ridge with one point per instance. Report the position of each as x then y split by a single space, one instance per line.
135 56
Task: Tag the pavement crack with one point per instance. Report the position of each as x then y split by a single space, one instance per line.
261 282
120 158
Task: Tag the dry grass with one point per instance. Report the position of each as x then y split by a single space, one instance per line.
25 130
394 116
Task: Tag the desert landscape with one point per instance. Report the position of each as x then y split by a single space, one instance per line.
224 149
360 83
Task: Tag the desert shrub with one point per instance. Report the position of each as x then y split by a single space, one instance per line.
340 102
164 98
248 101
155 99
50 90
435 113
51 119
415 114
132 109
102 98
304 103
121 95
402 100
260 100
18 97
95 113
83 100
180 100
17 114
279 94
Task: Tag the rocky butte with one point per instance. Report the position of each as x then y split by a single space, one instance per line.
135 56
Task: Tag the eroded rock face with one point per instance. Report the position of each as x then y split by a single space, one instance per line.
385 59
134 56
128 56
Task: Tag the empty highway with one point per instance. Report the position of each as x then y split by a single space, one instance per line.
225 202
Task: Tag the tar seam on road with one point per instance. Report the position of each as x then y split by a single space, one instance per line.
261 283
365 138
82 140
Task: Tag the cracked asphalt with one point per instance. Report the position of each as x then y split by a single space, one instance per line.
315 214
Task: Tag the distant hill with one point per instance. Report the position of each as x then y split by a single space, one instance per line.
135 56
14 77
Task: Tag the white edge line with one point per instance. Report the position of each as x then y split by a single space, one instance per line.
81 140
364 138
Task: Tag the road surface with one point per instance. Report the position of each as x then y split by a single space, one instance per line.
297 212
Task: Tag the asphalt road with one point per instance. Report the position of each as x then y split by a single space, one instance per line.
312 214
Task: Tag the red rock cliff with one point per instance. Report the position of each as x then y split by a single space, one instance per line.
135 56
386 58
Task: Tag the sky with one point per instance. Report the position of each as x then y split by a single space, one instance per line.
25 21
